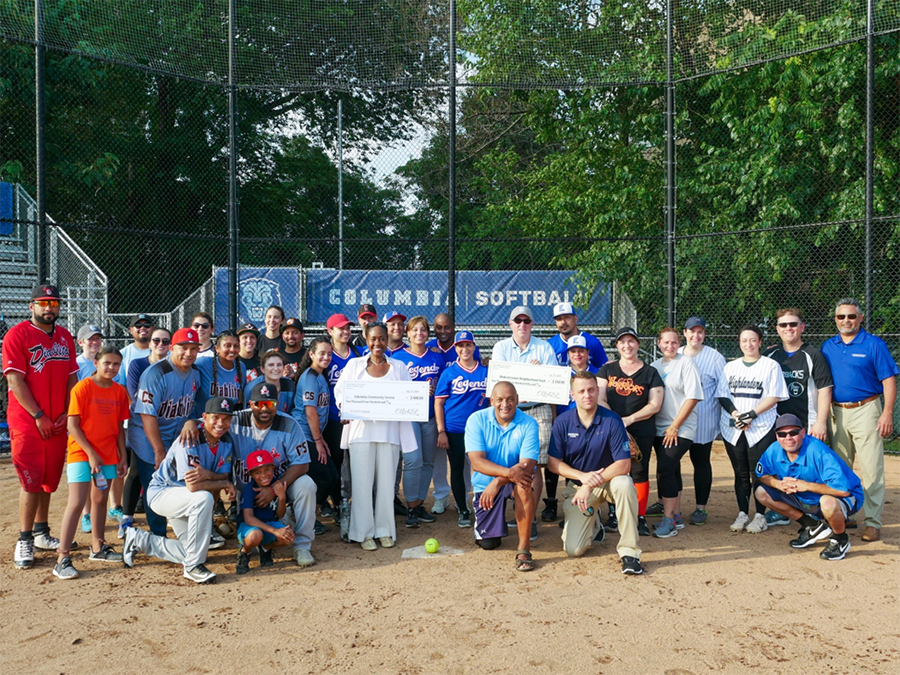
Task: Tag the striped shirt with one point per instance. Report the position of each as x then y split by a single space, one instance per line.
711 365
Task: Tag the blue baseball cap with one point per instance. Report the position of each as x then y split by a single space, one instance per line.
464 336
393 315
694 322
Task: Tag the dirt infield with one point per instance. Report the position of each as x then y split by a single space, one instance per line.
710 601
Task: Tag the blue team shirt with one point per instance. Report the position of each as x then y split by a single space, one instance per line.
464 393
520 440
135 370
129 354
86 367
450 355
181 458
589 449
312 391
859 367
560 409
338 363
228 383
424 368
267 513
596 353
284 440
390 352
167 394
815 463
286 391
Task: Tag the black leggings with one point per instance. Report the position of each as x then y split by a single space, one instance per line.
131 491
640 471
700 458
457 456
326 477
332 435
668 466
744 458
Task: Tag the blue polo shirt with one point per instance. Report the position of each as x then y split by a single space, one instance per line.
859 367
815 463
519 440
596 354
589 449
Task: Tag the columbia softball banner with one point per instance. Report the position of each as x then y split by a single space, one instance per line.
258 289
482 298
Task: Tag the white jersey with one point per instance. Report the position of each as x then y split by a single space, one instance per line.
711 365
746 386
683 382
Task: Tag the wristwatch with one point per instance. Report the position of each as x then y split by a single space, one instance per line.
38 415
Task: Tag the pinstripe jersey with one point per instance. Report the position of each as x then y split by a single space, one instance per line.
711 365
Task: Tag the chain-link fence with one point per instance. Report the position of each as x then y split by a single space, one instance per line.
344 181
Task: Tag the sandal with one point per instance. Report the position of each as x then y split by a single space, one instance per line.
524 561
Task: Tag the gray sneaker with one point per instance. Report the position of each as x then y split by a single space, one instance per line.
465 519
200 575
699 517
64 569
534 532
106 554
665 529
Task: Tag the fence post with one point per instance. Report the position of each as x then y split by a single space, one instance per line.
870 154
451 206
670 168
40 166
340 114
232 178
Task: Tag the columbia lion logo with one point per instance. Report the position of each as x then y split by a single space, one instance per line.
256 296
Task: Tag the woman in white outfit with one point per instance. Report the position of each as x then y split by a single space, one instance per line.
374 447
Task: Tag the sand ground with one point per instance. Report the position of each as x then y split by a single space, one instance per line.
710 601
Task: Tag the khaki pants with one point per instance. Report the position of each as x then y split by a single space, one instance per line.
854 435
580 530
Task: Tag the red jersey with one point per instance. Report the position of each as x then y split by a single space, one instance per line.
46 361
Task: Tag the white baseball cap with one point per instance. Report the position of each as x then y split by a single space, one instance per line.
576 341
561 308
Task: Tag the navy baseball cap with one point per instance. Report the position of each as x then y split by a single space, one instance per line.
263 392
138 318
367 310
788 420
693 322
464 336
219 405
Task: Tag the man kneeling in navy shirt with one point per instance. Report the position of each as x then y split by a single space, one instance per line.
589 448
805 480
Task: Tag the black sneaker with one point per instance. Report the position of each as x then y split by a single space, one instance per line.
612 523
534 532
836 550
601 535
331 514
549 514
656 510
139 507
266 558
319 528
412 518
631 565
643 527
232 512
811 534
219 509
424 516
243 562
106 553
399 509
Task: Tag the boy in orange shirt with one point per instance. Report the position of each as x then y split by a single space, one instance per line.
98 406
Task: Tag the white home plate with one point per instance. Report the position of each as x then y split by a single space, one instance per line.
420 552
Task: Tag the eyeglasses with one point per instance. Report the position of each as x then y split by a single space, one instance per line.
143 325
785 434
788 324
841 317
165 341
200 326
47 303
519 320
269 405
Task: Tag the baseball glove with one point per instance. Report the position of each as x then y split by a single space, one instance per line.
224 526
636 454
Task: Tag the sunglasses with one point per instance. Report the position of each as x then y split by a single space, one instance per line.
525 321
841 317
785 434
788 324
47 303
270 405
165 341
143 325
200 326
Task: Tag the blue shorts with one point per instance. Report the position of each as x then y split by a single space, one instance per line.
492 524
848 504
268 538
80 472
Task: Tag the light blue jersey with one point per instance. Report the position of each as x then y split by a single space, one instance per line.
181 458
86 367
215 380
284 440
286 389
312 392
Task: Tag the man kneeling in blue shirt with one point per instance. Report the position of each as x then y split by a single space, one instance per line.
805 480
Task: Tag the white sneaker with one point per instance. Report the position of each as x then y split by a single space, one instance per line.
24 557
44 542
440 505
758 524
200 575
303 557
740 522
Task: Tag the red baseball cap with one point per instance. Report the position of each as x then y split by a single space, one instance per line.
259 458
185 336
338 321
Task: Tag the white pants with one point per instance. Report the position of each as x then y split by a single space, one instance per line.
190 515
373 466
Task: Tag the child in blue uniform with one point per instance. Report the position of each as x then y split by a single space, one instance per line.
261 526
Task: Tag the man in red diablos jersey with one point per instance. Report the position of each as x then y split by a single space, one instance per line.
39 363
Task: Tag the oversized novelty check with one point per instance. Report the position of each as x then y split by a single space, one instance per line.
535 384
390 401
